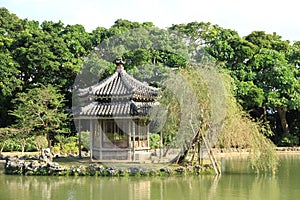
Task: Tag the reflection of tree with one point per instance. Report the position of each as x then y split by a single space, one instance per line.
238 182
213 189
21 187
190 187
244 184
24 187
289 171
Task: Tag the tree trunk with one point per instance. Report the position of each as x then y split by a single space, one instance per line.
282 116
265 114
2 146
23 149
48 139
23 145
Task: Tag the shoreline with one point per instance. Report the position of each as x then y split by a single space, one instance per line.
242 152
13 164
217 152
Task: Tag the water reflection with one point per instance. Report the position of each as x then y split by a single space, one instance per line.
236 183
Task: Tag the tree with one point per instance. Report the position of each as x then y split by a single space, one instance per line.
266 74
5 135
9 83
40 142
39 111
280 82
293 55
265 69
10 24
33 54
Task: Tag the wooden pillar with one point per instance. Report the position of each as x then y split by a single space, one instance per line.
128 129
133 141
91 139
100 122
160 144
79 138
139 133
148 139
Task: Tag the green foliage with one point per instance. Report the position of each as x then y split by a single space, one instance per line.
290 141
15 144
37 59
32 55
154 141
40 142
263 156
39 111
249 90
12 145
85 139
65 145
30 145
293 55
5 135
264 67
171 126
242 132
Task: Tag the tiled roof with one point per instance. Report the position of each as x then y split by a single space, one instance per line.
120 85
116 109
118 95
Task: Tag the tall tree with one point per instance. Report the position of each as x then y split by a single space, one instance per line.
264 66
280 82
10 25
266 79
40 111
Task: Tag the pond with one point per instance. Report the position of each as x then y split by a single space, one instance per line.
236 182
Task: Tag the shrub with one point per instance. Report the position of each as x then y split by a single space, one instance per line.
154 141
290 140
85 139
30 145
40 142
65 145
12 145
55 149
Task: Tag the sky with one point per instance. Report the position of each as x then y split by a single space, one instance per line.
244 16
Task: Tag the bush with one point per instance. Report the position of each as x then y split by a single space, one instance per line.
66 145
154 141
70 148
40 142
30 145
55 149
12 145
85 139
290 140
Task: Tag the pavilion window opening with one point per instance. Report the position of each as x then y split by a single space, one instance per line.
141 130
115 133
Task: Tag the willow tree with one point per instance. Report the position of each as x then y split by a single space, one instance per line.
224 125
242 132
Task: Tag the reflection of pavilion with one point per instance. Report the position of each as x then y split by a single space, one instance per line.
116 112
140 190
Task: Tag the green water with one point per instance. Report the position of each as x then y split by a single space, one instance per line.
237 182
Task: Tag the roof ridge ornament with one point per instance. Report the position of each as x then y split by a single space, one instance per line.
120 64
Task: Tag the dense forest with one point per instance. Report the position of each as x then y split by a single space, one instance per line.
39 64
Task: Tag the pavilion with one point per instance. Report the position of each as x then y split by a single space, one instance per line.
117 111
